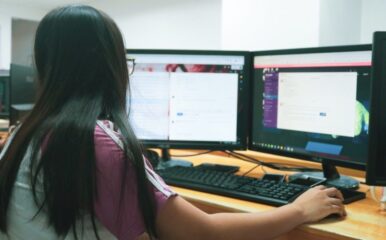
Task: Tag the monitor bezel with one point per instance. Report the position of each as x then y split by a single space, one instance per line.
243 103
5 79
377 115
318 159
15 72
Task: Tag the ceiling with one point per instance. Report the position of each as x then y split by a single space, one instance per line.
43 3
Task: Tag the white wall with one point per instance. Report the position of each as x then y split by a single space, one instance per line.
340 22
262 24
189 24
23 39
275 24
5 40
373 18
224 24
7 12
168 24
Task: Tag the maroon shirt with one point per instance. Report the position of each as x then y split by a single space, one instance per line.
123 221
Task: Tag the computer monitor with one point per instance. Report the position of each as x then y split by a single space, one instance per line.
190 99
4 94
313 104
22 91
376 163
22 84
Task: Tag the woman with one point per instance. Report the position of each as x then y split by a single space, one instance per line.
74 169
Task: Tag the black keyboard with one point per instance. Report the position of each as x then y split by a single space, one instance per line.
227 184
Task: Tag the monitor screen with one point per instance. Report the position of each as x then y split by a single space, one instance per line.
313 103
190 99
4 94
22 84
23 88
376 164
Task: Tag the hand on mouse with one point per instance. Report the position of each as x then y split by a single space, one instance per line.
320 202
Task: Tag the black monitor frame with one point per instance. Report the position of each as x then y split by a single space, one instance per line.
243 103
4 81
326 161
375 172
22 84
22 91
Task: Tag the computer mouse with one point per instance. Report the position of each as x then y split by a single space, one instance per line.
334 216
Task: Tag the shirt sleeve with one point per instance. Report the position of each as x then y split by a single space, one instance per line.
161 190
117 208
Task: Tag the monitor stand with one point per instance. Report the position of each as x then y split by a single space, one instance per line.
165 160
333 178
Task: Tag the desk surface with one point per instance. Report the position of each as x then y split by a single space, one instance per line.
364 220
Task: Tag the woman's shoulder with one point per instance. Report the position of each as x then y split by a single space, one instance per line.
106 134
106 127
108 144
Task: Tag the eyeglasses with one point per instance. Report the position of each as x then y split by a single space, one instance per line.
130 65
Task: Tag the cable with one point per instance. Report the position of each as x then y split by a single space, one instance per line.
294 167
382 200
280 166
232 154
263 169
250 170
243 157
273 165
192 155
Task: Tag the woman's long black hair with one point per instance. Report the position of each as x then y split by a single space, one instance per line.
82 75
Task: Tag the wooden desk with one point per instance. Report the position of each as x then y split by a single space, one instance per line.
3 135
3 138
364 220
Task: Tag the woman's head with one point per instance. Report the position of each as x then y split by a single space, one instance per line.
79 52
82 74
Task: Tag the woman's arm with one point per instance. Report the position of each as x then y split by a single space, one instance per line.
178 219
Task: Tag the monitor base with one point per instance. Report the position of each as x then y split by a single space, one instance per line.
174 163
166 161
332 176
341 182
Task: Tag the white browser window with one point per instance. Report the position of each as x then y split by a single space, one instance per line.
149 111
318 102
203 106
185 97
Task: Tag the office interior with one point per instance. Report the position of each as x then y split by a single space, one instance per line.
226 25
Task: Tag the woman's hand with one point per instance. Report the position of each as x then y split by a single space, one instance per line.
320 202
